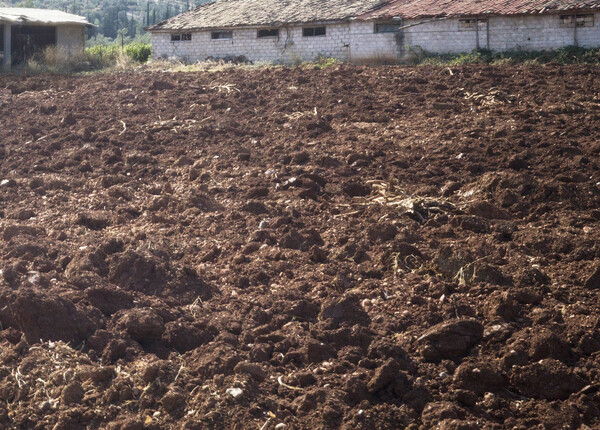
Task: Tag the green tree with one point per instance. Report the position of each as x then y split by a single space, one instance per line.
121 36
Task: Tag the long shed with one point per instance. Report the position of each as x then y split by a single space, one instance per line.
287 31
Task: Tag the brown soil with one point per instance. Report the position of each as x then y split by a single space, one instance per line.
290 248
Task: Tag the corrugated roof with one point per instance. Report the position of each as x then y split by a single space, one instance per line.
40 16
238 13
415 9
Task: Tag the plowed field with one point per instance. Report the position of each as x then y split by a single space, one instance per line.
354 247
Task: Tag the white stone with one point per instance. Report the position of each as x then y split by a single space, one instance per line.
236 393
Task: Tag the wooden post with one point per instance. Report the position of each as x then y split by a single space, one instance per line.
7 43
477 33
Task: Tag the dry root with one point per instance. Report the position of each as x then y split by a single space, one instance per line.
416 207
493 97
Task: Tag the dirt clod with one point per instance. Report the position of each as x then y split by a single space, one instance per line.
347 310
143 324
593 281
547 379
72 393
451 339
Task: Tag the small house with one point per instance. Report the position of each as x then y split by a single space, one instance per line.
288 31
24 32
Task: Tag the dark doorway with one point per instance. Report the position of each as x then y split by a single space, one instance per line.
27 40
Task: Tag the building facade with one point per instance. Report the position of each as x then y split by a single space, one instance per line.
458 35
386 33
287 44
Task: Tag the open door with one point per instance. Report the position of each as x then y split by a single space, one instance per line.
1 43
27 40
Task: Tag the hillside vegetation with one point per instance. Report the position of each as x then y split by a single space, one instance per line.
110 16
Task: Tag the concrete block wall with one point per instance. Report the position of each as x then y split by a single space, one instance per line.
440 37
70 40
368 46
505 33
539 33
289 47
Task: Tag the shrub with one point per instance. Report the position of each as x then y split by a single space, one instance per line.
139 52
105 56
101 56
323 62
565 55
53 60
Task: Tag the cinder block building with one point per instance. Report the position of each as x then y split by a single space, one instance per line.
23 32
288 31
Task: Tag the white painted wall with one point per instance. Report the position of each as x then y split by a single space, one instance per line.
70 40
357 40
289 47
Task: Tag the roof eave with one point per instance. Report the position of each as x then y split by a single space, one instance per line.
18 21
486 14
154 29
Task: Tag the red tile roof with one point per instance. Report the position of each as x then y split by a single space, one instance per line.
415 9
